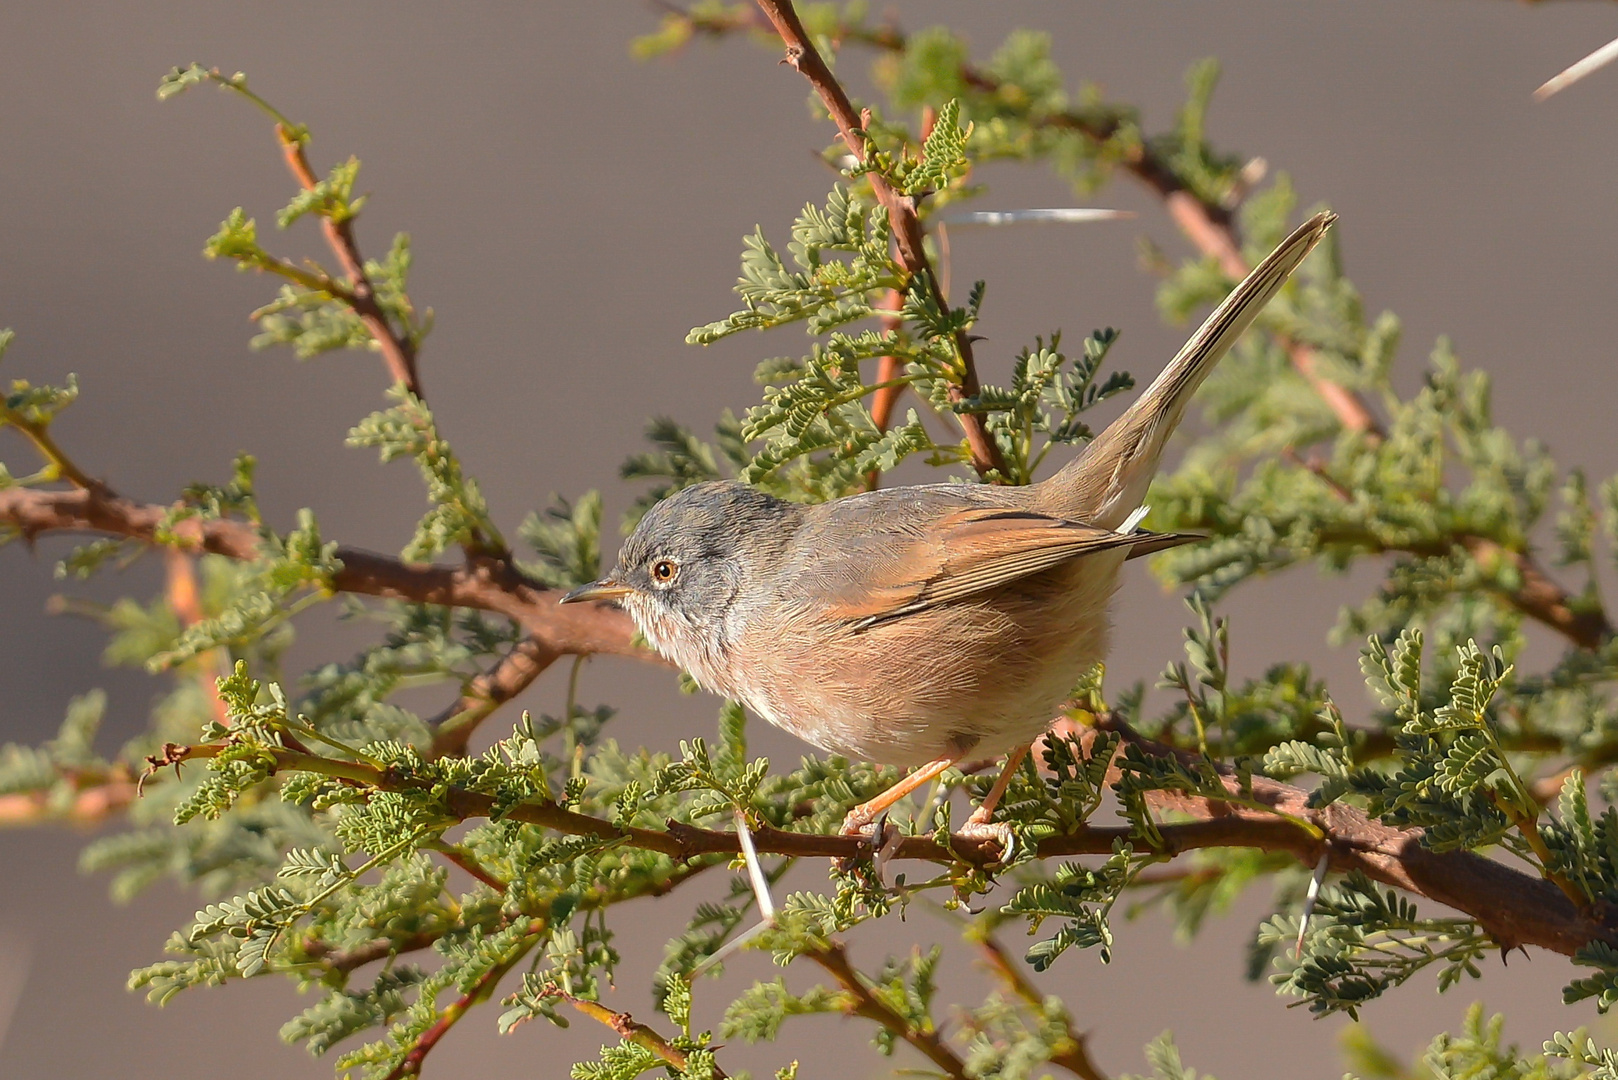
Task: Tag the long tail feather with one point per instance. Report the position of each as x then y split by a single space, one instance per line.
1106 482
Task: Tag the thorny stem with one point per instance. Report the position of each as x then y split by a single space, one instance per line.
1516 908
398 351
834 960
1209 226
481 583
1074 1054
61 466
802 55
411 1065
632 1030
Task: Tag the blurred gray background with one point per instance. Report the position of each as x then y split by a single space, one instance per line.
574 212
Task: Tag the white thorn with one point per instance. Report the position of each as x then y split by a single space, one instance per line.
761 894
755 869
1309 899
1251 175
1594 62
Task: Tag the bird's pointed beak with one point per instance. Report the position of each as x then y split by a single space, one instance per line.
605 589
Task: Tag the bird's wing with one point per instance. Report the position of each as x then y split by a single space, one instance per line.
974 550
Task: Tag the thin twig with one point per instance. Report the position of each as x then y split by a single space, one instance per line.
60 466
834 960
482 584
907 232
632 1030
411 1065
398 351
514 673
469 863
1074 1054
888 371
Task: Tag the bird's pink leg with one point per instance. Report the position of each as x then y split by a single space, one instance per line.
985 811
860 818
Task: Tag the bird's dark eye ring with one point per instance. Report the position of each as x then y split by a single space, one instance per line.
664 571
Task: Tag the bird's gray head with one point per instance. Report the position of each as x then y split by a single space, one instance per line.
681 572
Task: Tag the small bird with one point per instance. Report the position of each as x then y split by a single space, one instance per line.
915 626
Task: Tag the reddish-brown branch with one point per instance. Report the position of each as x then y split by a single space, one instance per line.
411 1065
485 584
1499 898
1515 908
631 1030
398 351
349 960
470 864
888 370
907 232
513 674
834 960
1073 1054
1541 598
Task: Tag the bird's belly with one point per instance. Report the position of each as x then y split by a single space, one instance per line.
965 679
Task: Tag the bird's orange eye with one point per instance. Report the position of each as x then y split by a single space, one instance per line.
664 570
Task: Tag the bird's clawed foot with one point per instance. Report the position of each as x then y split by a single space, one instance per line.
979 828
882 835
860 821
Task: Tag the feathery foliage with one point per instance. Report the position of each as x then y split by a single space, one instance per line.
321 816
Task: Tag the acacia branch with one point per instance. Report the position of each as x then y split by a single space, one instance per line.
1209 226
510 676
1072 1055
834 959
411 1064
346 961
907 231
631 1030
398 351
482 583
1515 908
1541 598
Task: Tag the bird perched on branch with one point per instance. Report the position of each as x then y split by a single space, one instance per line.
915 626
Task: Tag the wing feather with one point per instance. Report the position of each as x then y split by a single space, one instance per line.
977 550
